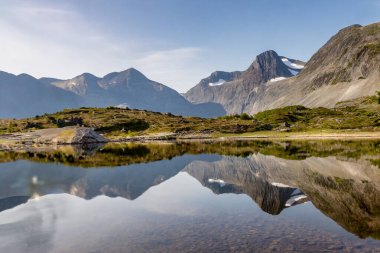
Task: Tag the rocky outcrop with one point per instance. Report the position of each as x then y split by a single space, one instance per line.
65 135
85 135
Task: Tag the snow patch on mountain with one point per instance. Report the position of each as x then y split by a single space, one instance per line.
280 185
277 79
218 181
296 200
219 82
291 65
294 72
294 68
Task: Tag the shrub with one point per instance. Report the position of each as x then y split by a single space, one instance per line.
73 121
132 125
33 125
245 116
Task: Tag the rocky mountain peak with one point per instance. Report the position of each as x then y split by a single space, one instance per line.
88 76
267 57
267 65
133 74
219 77
79 85
124 77
232 88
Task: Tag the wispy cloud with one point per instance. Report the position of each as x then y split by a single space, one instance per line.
173 66
56 40
53 38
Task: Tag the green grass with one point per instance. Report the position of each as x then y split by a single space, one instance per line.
361 114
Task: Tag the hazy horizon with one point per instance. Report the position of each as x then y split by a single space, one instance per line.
176 43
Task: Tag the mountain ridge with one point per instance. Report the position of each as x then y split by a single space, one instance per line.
346 67
25 96
234 94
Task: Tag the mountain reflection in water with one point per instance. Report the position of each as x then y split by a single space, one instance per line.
340 178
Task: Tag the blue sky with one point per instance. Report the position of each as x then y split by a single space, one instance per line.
175 42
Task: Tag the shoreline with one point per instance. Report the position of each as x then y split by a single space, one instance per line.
313 136
23 140
253 136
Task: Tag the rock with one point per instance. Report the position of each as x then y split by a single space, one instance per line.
85 135
65 135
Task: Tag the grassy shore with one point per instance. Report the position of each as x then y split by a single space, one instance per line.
359 118
311 134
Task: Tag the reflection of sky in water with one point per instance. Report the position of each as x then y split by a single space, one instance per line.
179 213
191 203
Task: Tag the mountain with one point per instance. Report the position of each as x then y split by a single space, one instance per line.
24 95
233 90
203 91
346 67
130 88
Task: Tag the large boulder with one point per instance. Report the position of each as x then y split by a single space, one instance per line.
68 135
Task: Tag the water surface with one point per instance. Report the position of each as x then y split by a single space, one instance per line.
314 196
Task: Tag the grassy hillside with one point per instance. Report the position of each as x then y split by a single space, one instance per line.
359 114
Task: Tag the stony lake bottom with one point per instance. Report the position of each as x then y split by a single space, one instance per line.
237 196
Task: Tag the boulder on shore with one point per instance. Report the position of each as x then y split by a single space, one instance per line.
65 135
79 135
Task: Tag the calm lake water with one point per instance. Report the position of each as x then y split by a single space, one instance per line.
243 196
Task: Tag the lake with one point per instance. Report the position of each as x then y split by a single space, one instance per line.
210 196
